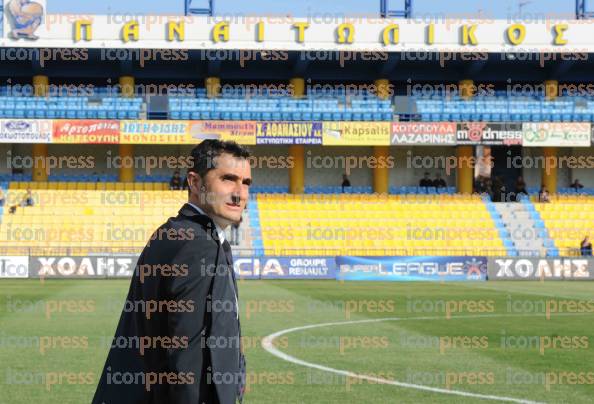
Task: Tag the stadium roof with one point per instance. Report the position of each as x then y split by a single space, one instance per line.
183 65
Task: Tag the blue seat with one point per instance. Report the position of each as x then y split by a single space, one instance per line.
552 252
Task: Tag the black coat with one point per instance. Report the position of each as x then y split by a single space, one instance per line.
180 323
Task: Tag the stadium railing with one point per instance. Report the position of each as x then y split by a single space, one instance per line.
289 252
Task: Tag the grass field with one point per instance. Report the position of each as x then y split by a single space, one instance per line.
504 339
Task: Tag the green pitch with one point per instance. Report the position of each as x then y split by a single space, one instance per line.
516 340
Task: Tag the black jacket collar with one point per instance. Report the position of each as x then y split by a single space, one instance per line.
209 226
205 221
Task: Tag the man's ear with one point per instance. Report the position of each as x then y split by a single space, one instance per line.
196 182
193 179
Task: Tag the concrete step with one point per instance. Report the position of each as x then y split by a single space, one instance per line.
521 227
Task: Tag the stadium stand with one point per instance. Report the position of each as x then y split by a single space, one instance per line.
329 107
312 224
118 220
506 109
334 224
70 107
459 224
82 218
280 108
568 218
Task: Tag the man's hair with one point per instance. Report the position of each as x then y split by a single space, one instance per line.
203 156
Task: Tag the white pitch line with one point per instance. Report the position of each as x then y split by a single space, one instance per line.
267 344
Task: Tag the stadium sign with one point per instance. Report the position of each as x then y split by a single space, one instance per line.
108 266
412 268
357 133
360 34
288 133
557 134
285 268
155 132
87 131
541 269
242 132
328 133
26 130
14 267
476 133
423 133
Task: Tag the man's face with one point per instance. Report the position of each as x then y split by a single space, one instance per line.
224 191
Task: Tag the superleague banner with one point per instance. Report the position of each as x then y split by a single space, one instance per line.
382 268
425 268
270 267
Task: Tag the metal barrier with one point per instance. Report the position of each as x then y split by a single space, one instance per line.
255 252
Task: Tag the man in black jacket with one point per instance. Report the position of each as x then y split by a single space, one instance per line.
426 181
178 340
